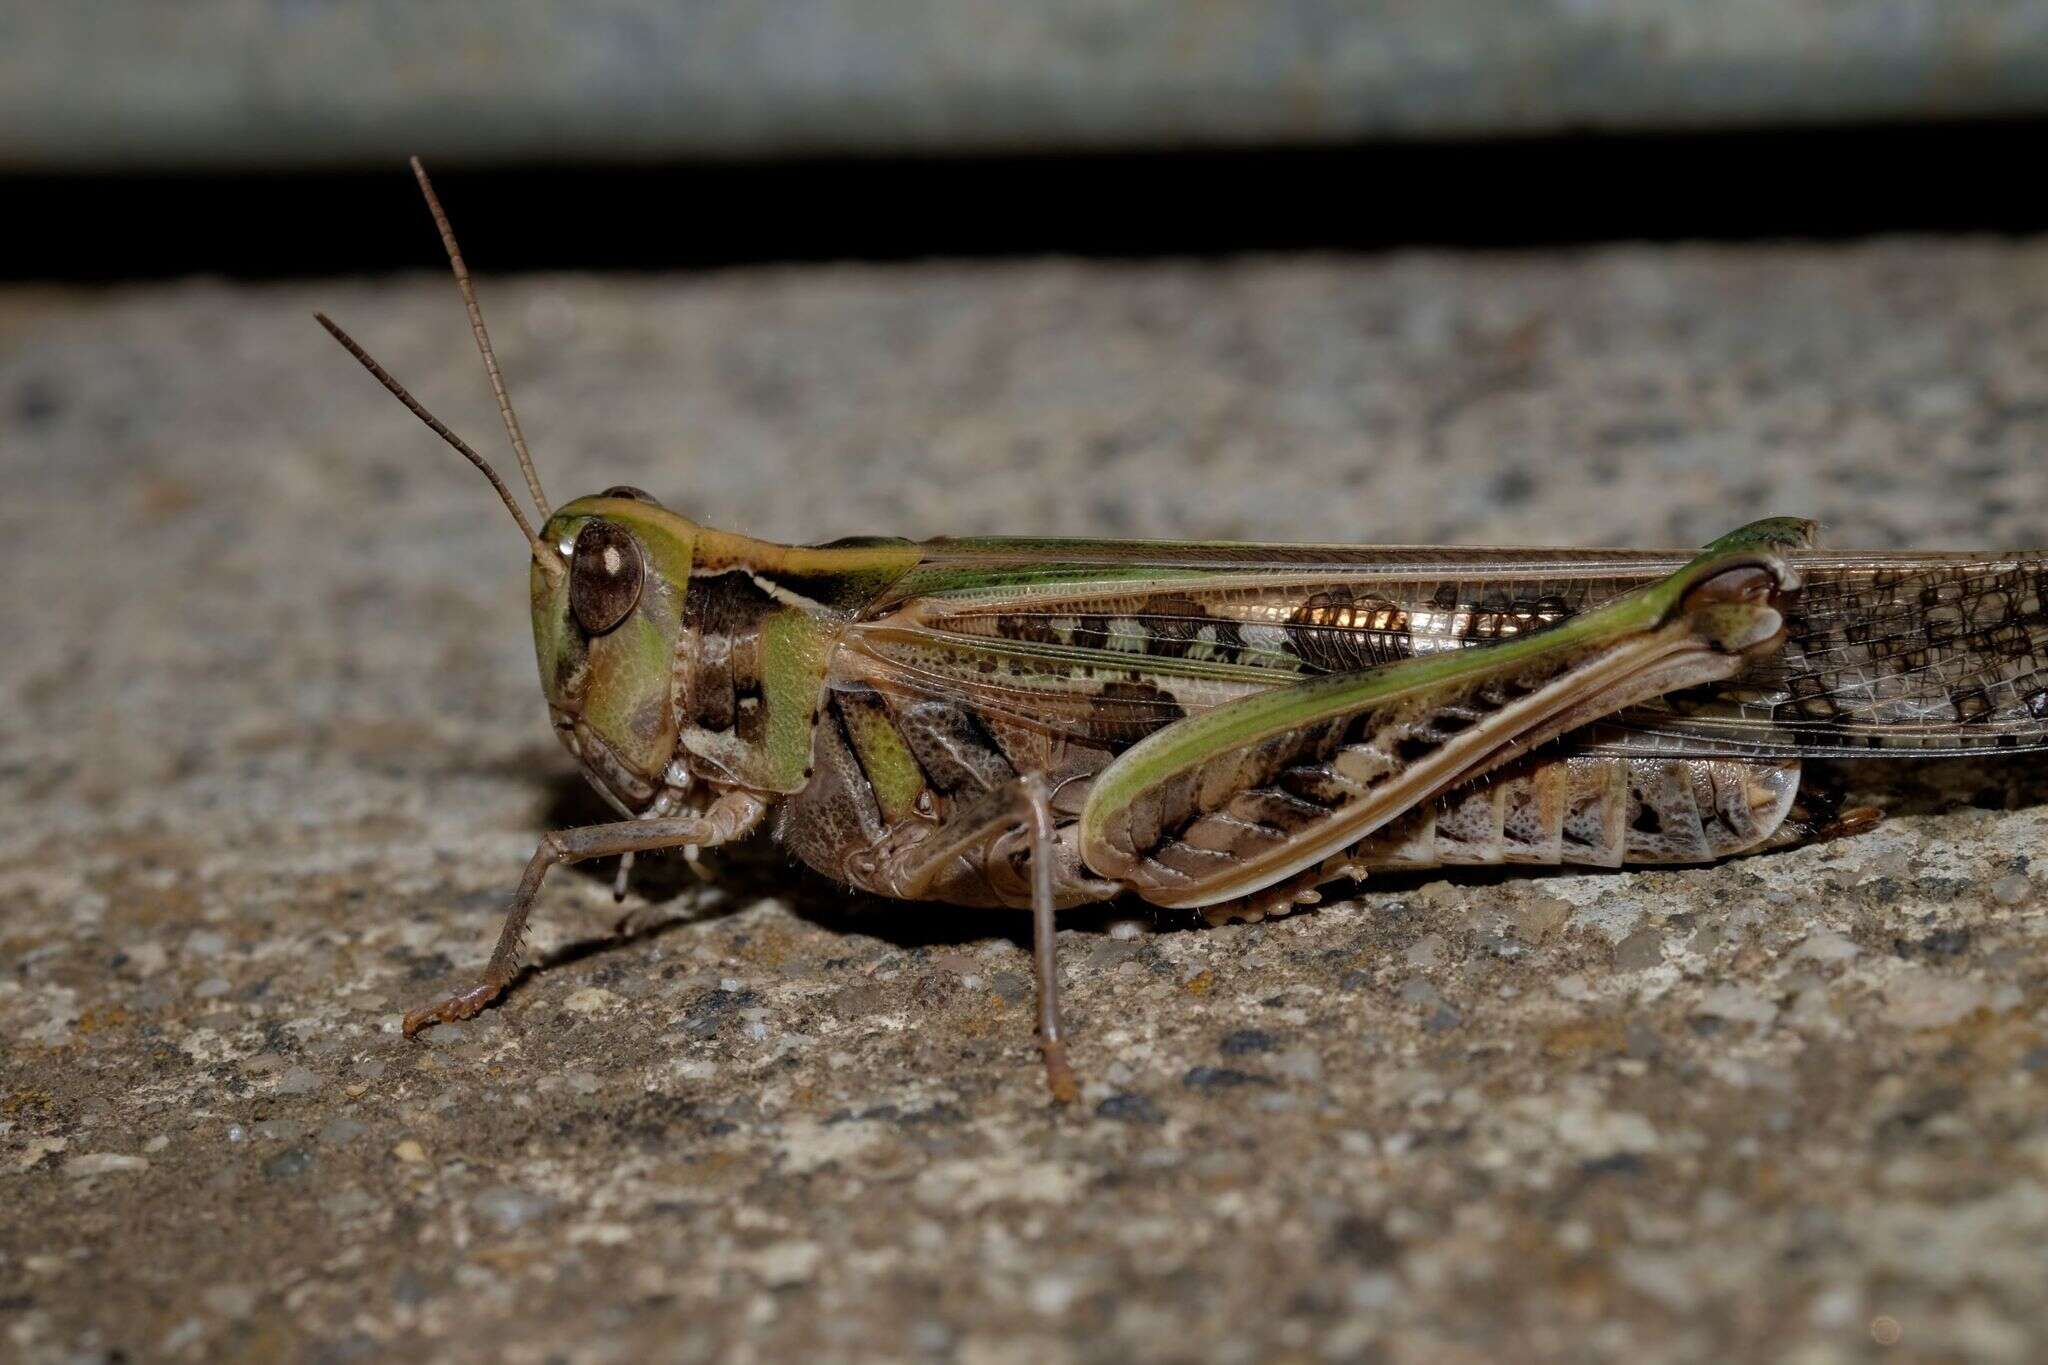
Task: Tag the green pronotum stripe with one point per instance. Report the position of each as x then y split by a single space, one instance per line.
955 581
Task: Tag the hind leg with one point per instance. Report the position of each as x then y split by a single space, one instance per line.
1822 814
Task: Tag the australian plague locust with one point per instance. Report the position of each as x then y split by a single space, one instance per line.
1041 724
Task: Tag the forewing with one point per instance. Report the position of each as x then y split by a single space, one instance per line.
1884 654
1104 641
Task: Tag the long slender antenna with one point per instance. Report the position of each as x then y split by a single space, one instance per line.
483 339
549 563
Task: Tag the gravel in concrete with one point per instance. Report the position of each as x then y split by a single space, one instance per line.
274 754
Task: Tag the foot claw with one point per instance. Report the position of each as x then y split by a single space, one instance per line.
1853 821
466 1005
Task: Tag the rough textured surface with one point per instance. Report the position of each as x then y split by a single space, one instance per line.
274 754
287 82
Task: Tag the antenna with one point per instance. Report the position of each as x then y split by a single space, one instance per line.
483 338
550 563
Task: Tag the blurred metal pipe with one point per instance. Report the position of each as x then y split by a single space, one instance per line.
227 84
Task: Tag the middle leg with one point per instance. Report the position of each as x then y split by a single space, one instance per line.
1024 803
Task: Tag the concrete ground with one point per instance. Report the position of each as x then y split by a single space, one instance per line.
274 754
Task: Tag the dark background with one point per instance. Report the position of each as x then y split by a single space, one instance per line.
1823 183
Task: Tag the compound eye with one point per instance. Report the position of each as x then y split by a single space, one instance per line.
626 490
604 576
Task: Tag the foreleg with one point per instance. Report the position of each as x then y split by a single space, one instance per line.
730 817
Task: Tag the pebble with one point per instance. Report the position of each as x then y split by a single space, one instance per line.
104 1163
1660 1276
1540 918
183 1337
205 943
409 1152
1219 1078
1640 951
289 1164
1419 992
1246 1040
349 1204
507 1208
1051 1295
1923 999
212 988
1825 945
1111 954
1738 1005
297 1080
787 1263
1373 1293
339 1132
932 1337
411 1289
1127 1108
1642 1042
454 1033
2012 889
1010 987
1303 1064
230 1300
1425 951
1595 1132
146 959
1573 986
1613 918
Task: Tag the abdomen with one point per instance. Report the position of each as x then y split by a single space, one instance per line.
1593 811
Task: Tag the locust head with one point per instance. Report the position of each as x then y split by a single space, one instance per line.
608 582
607 585
608 603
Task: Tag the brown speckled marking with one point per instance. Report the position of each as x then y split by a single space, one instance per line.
1122 713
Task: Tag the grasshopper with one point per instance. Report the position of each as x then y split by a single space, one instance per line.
1041 724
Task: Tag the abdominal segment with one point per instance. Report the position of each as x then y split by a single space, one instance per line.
1591 811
